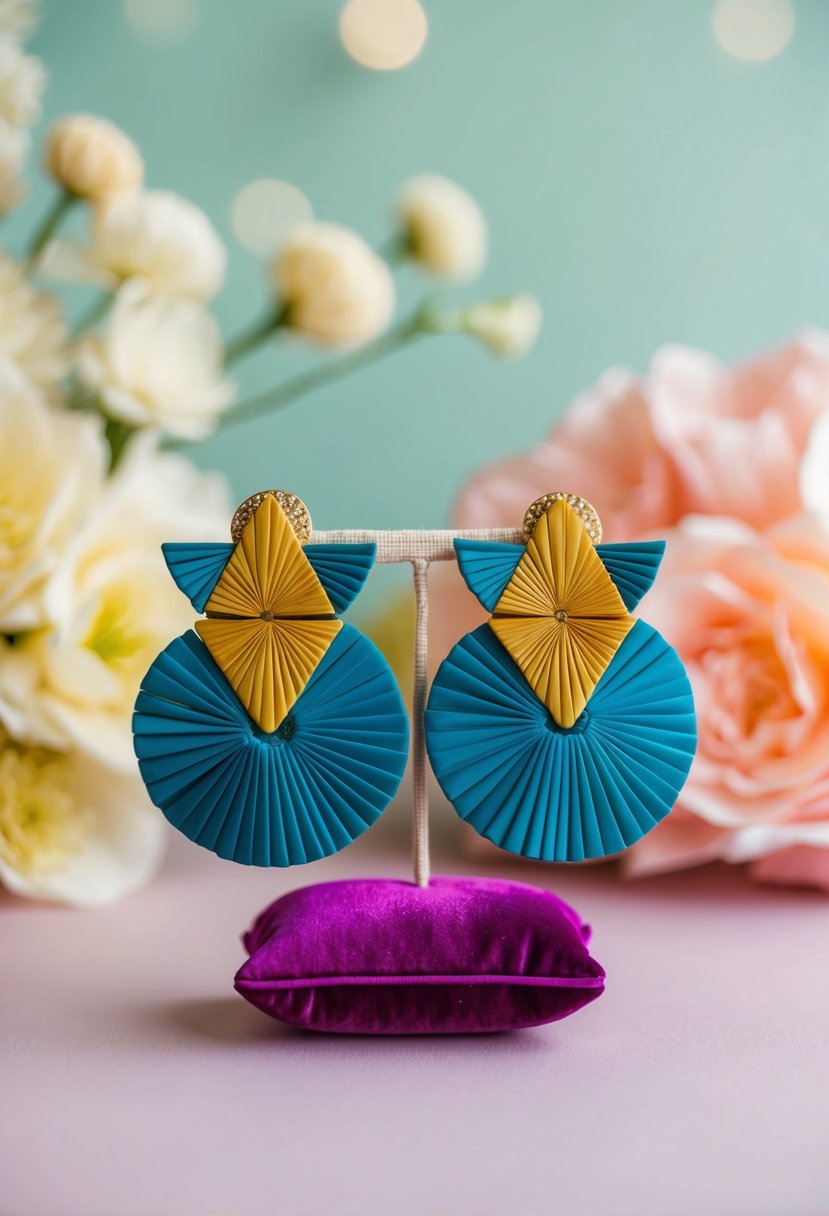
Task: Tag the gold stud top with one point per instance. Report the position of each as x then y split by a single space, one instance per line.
584 510
295 509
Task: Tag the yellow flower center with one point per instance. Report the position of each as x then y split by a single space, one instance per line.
114 634
41 826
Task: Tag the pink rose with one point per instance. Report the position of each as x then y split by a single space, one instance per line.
749 615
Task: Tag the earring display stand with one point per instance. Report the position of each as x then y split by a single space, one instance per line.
418 549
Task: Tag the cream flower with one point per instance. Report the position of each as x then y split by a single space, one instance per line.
160 238
508 327
111 607
91 157
443 226
71 831
22 81
333 288
52 467
814 471
14 146
17 18
159 363
33 335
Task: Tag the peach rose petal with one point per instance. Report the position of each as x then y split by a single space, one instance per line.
797 866
604 449
738 435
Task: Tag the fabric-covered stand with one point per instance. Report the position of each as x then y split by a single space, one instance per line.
451 956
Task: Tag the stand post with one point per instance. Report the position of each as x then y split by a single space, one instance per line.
419 548
420 794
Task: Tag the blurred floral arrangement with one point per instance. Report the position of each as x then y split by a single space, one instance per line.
88 486
731 465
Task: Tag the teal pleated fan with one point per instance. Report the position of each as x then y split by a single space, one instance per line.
292 796
544 792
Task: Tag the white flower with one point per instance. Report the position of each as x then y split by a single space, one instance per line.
33 335
52 466
333 288
17 18
91 157
159 363
160 238
72 831
444 228
22 81
508 327
814 471
111 607
14 147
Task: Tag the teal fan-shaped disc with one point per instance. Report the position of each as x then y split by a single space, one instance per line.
292 796
536 789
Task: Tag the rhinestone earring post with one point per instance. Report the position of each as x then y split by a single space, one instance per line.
299 517
586 512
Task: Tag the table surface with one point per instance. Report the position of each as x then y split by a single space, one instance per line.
136 1083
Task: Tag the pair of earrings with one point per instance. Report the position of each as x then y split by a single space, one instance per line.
275 734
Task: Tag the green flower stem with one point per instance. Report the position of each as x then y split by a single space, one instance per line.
117 435
307 382
395 249
96 312
249 339
52 220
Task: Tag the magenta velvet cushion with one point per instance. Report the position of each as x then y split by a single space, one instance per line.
378 956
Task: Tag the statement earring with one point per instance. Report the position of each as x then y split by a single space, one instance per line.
275 734
562 729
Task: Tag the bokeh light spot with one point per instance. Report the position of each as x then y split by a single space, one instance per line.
265 212
383 34
754 30
161 22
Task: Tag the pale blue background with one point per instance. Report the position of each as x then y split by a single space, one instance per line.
644 184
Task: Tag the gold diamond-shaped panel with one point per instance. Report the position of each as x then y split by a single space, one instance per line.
255 630
560 617
269 572
268 663
562 661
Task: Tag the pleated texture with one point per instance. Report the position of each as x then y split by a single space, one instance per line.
272 799
269 572
487 567
342 570
195 568
562 661
268 663
633 567
560 615
560 569
552 794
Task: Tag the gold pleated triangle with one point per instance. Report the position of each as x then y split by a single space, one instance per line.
269 572
560 617
560 569
268 663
